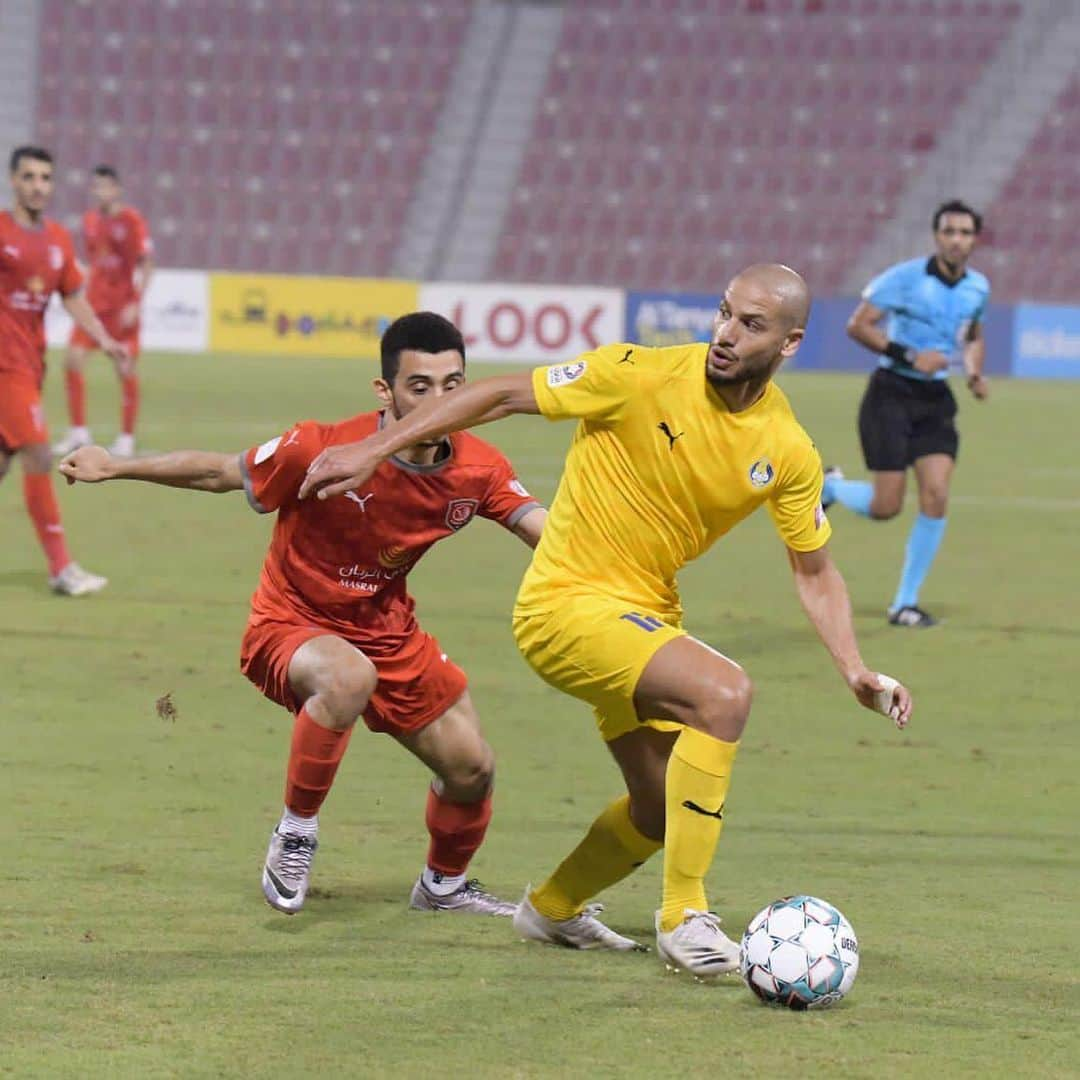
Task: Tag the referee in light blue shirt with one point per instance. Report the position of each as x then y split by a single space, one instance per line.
932 311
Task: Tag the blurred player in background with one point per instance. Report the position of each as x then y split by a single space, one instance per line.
673 449
119 251
933 310
37 258
333 634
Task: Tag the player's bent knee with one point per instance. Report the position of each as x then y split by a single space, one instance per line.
469 780
36 459
885 510
725 709
345 694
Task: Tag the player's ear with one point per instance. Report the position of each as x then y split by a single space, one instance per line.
382 390
792 342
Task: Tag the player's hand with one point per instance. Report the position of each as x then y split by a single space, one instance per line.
882 694
979 387
339 469
129 315
930 361
90 464
119 355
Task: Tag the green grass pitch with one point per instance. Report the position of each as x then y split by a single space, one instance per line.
134 940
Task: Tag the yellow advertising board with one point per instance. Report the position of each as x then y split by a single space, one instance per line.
305 316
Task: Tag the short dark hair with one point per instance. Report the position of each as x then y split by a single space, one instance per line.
107 171
955 206
35 153
423 331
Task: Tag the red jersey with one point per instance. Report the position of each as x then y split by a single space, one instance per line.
34 263
341 563
115 243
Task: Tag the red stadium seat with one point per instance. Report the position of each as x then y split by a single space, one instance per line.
244 76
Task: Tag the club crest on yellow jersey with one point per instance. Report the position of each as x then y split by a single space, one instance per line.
761 473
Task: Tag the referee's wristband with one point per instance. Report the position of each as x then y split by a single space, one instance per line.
903 355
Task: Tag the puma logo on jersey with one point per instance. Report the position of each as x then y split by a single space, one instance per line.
10 249
626 359
294 435
360 500
663 426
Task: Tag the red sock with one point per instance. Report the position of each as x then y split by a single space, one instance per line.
314 757
76 397
45 514
457 830
129 394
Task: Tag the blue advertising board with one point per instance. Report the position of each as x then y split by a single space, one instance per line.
1046 341
658 318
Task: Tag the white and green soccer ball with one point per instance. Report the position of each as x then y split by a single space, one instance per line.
799 952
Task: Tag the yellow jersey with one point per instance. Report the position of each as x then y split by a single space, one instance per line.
659 469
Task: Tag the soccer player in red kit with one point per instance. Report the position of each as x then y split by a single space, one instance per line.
37 259
333 633
119 250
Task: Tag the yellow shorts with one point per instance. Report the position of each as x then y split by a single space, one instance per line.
595 648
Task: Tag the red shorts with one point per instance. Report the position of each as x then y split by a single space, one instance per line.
22 416
126 335
417 684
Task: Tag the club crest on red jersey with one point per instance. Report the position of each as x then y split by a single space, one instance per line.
56 257
459 512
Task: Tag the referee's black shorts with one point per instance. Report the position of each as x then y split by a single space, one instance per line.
902 419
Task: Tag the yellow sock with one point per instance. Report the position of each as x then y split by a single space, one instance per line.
698 774
611 850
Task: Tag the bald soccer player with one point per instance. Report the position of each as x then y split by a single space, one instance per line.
673 448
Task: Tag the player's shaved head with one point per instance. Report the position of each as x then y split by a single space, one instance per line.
784 284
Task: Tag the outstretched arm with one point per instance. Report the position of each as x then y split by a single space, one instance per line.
824 598
342 468
197 470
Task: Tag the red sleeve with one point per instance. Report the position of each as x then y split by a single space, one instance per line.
71 277
274 470
506 500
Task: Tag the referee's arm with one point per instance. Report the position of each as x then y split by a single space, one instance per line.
863 328
975 360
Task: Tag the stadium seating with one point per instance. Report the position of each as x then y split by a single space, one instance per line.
732 131
266 124
1029 240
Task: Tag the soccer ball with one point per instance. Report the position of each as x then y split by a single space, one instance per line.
799 952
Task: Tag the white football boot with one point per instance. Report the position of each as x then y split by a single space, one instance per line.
123 446
582 931
697 945
75 438
73 580
287 870
469 899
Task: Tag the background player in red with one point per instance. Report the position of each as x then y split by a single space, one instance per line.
119 252
333 633
37 259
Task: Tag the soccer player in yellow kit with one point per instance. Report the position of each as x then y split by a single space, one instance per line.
674 447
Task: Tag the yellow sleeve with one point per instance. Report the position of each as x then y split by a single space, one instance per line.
795 505
595 386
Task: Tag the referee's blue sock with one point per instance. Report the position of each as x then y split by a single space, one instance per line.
923 543
856 495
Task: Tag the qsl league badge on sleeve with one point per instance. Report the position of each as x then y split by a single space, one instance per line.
459 512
